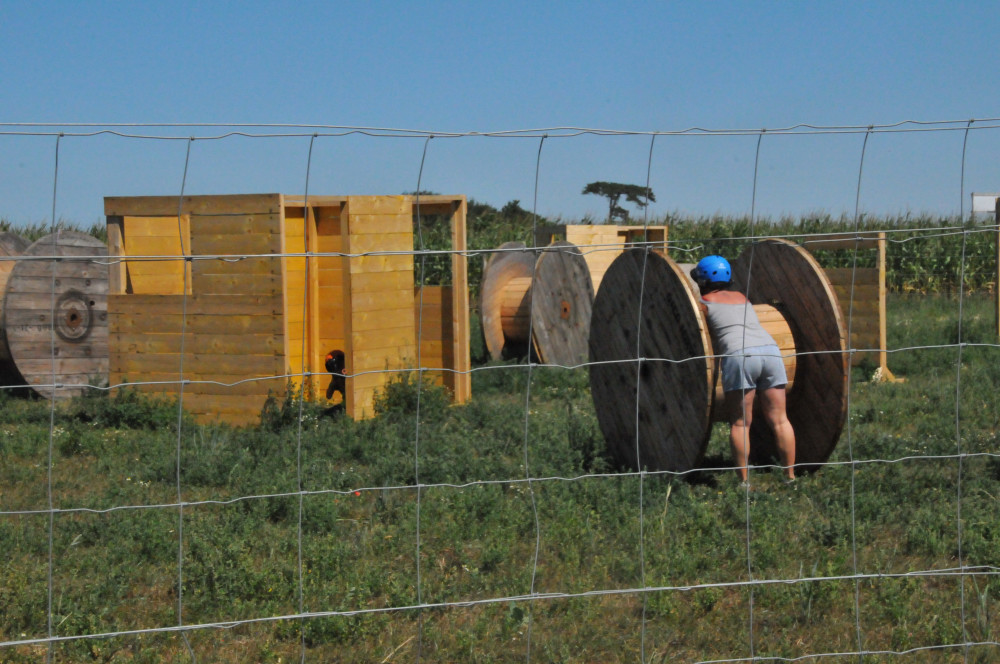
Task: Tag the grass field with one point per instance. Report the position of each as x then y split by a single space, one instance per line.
843 562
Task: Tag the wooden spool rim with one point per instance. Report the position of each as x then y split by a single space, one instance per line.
778 271
511 260
562 297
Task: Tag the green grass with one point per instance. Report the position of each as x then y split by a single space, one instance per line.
116 569
893 512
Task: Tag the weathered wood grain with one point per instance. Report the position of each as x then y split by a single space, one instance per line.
55 314
653 374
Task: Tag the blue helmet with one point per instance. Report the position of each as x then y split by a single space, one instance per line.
713 269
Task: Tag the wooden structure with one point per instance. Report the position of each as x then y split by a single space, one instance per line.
861 292
257 289
542 295
663 356
601 244
568 273
54 312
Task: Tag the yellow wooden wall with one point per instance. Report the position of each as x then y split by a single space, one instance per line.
323 314
433 318
602 244
330 292
150 237
296 309
331 280
864 313
227 339
379 325
232 320
245 315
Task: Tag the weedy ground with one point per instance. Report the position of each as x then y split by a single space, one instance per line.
622 566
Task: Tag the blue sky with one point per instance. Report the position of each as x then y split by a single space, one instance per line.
451 67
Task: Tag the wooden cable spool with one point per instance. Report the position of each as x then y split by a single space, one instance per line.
552 297
676 378
73 286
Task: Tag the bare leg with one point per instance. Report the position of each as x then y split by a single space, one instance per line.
739 405
772 402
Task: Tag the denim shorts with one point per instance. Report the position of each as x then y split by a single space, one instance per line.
759 367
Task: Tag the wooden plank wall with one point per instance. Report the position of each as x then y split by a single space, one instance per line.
228 338
380 332
324 322
156 236
602 244
330 296
245 315
864 314
433 318
295 308
234 326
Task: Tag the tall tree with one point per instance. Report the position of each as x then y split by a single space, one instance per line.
613 191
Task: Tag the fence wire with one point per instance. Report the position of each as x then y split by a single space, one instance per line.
534 485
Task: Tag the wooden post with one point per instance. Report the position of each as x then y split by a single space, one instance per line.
996 281
345 243
315 362
460 304
116 247
883 355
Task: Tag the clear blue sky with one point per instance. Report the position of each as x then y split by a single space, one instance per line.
486 67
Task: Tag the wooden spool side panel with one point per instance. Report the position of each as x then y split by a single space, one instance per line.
646 310
783 273
12 244
561 303
55 314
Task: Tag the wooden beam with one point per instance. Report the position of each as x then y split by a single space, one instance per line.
860 240
116 249
165 206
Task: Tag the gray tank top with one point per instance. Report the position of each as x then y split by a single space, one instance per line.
727 323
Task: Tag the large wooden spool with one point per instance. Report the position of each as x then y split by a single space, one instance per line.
665 357
551 296
66 284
